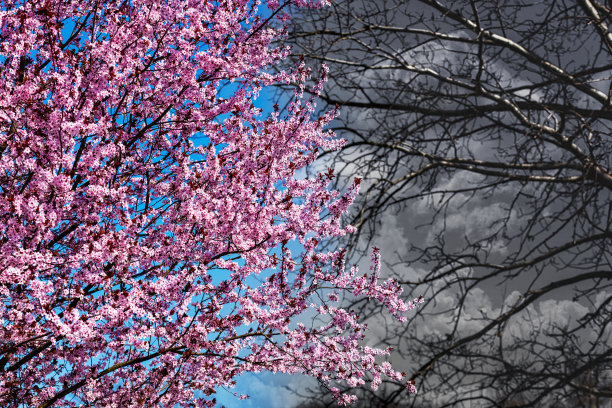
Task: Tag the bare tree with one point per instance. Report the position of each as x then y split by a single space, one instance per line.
484 128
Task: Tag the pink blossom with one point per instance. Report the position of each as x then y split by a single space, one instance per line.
148 208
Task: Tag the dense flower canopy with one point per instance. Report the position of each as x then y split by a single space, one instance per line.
155 241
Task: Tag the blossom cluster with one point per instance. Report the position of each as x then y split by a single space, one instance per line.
148 208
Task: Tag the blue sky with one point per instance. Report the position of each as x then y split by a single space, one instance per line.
265 389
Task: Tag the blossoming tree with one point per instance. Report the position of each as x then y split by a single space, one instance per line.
148 210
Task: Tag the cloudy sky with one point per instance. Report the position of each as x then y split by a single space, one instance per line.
467 218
